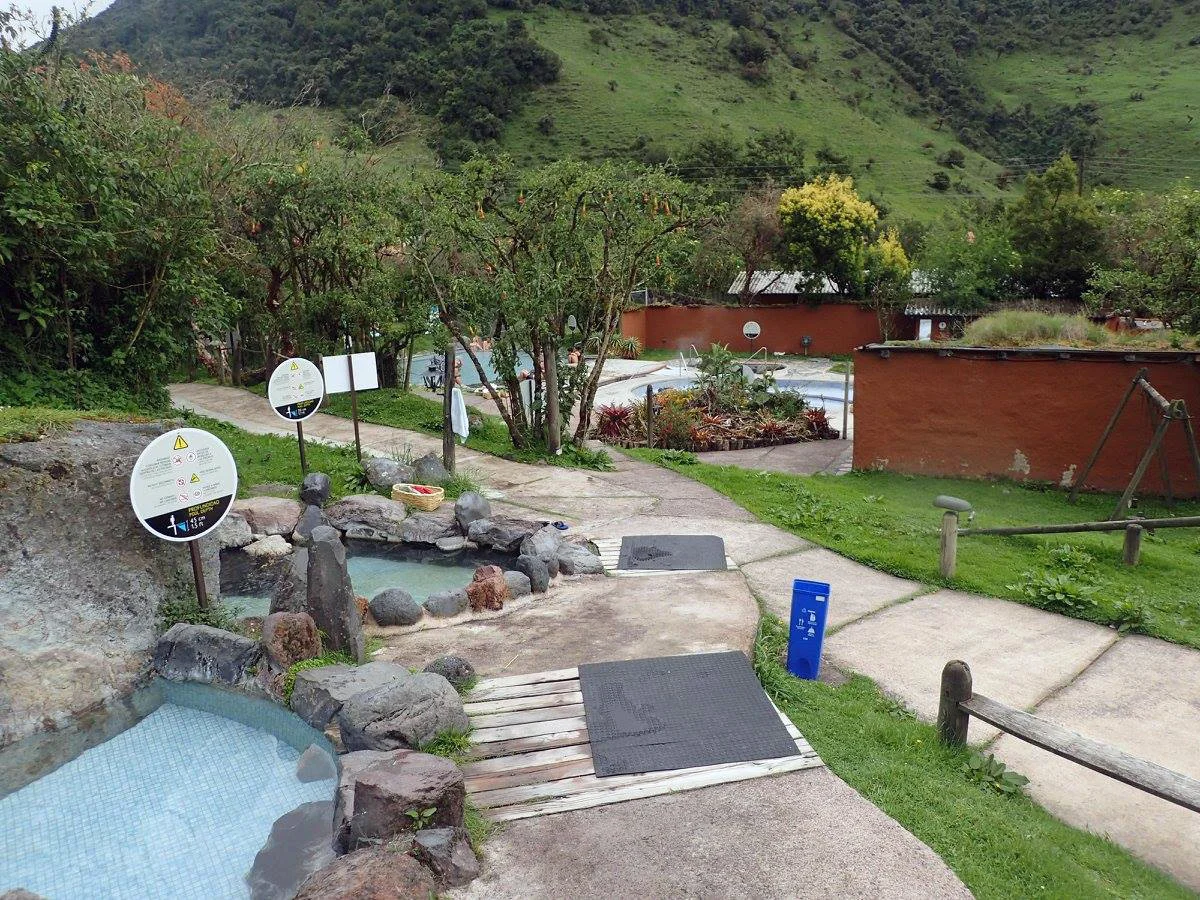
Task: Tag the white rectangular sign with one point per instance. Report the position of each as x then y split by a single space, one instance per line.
337 373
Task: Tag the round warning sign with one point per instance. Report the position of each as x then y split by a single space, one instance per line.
295 389
183 484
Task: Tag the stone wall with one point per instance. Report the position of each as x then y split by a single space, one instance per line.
80 579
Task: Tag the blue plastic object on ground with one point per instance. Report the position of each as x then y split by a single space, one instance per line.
806 630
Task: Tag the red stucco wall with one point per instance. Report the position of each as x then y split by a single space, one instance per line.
1027 419
834 327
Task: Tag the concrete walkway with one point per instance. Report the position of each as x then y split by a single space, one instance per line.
1139 694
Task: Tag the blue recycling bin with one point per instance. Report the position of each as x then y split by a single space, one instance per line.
806 630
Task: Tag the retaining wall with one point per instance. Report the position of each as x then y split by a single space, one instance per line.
835 328
1026 415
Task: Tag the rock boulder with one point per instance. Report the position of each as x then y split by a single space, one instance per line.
80 579
429 470
427 528
269 515
488 592
208 655
383 473
268 548
444 604
312 517
289 637
315 488
373 873
502 533
395 606
519 584
299 845
403 714
447 852
233 532
291 590
536 571
454 669
368 516
576 560
387 790
469 507
543 543
330 595
318 694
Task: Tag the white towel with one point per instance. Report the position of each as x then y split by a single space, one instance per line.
458 415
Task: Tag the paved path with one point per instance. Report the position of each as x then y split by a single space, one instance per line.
1139 694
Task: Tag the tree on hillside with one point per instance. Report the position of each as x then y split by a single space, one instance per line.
751 232
109 234
519 256
1058 234
969 260
1156 257
887 279
826 230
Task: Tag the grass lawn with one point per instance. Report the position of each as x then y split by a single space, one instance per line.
887 521
999 845
269 458
415 412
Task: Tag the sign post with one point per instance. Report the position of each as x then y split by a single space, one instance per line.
353 372
294 392
182 487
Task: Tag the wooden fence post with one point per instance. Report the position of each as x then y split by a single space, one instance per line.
952 722
1133 544
949 554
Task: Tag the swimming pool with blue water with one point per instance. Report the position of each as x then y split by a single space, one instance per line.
176 807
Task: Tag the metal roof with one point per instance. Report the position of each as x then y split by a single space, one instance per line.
774 282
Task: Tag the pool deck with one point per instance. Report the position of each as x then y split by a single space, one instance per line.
730 839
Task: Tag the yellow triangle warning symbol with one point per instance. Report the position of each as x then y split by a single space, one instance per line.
295 367
195 478
180 443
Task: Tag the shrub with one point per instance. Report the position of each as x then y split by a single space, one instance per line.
819 423
613 421
626 347
189 610
1022 328
1058 592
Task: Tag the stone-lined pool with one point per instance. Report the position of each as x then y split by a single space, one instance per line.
177 806
373 567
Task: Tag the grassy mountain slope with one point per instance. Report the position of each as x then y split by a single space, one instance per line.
1147 89
673 88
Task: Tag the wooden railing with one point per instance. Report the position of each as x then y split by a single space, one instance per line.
959 703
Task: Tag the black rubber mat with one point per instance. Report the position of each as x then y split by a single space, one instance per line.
672 552
676 712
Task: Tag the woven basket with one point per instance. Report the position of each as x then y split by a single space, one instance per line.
423 502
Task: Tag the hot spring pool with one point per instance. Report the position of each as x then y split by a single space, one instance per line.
175 807
373 567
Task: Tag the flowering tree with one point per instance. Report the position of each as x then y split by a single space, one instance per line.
826 230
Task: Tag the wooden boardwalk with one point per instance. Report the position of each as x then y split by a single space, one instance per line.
610 557
531 756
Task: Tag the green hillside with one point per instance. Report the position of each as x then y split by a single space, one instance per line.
1147 90
925 102
673 88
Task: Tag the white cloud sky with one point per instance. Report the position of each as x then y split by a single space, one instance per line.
41 12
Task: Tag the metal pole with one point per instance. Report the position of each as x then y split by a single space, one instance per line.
650 416
198 574
846 403
449 356
353 397
300 440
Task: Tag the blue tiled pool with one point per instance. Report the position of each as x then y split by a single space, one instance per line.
470 373
175 807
